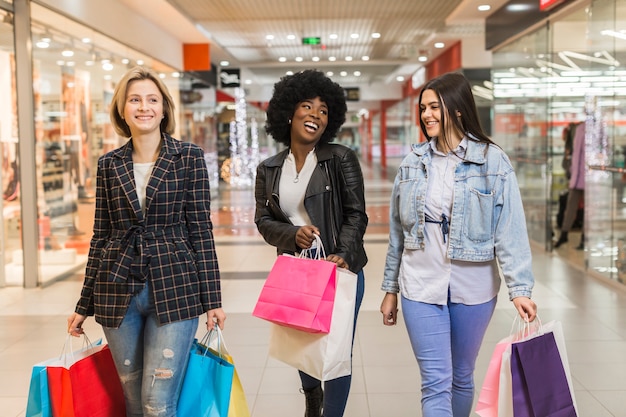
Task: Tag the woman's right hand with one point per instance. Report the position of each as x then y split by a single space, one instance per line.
75 324
389 309
305 236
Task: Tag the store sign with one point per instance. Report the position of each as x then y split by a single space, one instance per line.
548 4
230 77
312 40
353 94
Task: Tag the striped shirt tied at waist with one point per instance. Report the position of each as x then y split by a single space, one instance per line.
444 223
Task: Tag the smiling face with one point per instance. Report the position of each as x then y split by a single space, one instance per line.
143 109
430 112
309 121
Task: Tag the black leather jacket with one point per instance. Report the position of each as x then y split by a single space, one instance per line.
334 200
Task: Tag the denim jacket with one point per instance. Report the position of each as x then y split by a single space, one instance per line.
487 217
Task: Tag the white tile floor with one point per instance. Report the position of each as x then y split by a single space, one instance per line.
386 379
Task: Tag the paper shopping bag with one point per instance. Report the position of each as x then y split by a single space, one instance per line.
86 384
323 356
505 386
38 404
207 383
487 405
298 293
540 384
238 405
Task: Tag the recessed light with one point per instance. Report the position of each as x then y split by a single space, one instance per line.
291 37
484 7
399 78
422 58
282 59
333 36
224 63
343 73
375 35
357 73
269 37
439 45
365 58
315 58
298 59
348 58
332 58
330 73
354 36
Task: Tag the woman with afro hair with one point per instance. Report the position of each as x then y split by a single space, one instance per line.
313 187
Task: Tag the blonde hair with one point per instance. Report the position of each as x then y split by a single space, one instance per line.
168 124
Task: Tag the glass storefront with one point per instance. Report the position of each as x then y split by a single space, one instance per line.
9 175
75 70
570 70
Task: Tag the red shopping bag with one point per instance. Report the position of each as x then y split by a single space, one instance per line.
86 385
299 293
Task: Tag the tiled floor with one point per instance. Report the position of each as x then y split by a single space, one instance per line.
386 379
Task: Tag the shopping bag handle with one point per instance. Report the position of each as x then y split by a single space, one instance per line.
68 350
525 329
206 342
314 252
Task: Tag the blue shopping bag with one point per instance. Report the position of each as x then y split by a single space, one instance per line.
207 382
38 397
39 404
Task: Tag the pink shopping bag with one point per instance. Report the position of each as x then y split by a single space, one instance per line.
299 293
487 405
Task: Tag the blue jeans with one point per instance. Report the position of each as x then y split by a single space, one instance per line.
336 390
151 359
446 340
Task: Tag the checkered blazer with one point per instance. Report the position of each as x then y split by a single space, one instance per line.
171 246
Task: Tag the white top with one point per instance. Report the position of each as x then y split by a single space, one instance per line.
142 173
428 275
292 188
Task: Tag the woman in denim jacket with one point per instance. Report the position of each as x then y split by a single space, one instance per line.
456 224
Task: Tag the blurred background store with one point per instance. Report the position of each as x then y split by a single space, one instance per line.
535 66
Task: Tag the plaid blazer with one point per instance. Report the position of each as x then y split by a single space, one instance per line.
171 246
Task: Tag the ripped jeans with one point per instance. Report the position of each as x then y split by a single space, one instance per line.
150 359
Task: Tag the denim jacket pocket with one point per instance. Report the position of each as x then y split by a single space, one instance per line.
479 215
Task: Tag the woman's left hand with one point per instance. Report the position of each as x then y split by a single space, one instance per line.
216 315
341 263
526 308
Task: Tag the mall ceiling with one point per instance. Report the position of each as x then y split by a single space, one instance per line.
239 32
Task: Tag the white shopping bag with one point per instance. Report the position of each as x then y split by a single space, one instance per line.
323 356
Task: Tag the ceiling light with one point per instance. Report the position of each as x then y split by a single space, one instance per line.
86 40
365 58
224 63
269 37
67 53
89 63
348 58
439 45
357 73
343 73
332 58
484 7
399 78
291 37
140 62
70 63
248 82
422 58
298 59
333 36
315 58
176 74
354 36
282 59
375 35
107 66
289 73
125 61
60 62
330 73
43 45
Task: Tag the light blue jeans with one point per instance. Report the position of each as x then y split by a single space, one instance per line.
446 340
336 390
150 359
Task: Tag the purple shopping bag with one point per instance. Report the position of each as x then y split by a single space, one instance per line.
540 387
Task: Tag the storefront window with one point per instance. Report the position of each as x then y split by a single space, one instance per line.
522 124
75 70
9 162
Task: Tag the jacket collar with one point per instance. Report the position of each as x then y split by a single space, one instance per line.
475 152
322 151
